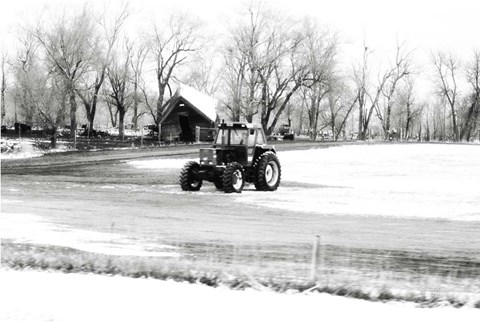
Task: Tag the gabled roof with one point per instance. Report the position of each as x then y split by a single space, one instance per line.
203 103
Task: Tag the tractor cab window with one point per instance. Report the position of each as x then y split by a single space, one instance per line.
260 138
232 136
252 137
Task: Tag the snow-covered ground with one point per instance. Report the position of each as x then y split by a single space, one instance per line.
27 228
24 148
412 180
44 296
425 181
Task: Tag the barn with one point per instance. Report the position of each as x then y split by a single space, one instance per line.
188 114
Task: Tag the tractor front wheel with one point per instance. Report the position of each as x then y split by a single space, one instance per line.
188 180
233 178
218 182
268 172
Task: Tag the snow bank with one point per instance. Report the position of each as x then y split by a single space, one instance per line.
24 148
32 229
44 296
411 180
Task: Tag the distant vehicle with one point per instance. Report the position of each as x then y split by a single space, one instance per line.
285 132
22 128
239 155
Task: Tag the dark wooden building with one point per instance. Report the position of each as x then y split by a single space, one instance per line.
187 110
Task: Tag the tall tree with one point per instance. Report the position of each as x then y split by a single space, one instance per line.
472 113
104 40
171 45
341 105
320 50
139 54
119 76
4 84
67 45
281 68
367 96
401 68
447 68
28 78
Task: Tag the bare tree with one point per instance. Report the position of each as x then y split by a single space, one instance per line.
241 77
340 104
3 85
139 54
447 72
203 75
472 113
67 45
409 109
400 70
170 46
281 69
119 76
52 107
367 97
320 49
28 77
90 84
40 92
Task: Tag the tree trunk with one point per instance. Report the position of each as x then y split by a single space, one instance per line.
135 105
360 123
407 125
53 138
455 125
73 114
470 120
387 119
2 96
121 123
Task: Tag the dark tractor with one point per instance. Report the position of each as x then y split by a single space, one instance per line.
240 154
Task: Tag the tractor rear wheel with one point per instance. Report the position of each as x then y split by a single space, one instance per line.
188 180
268 172
233 178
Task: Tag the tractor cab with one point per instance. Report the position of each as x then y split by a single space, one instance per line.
237 141
239 154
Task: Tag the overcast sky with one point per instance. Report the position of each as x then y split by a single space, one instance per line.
426 25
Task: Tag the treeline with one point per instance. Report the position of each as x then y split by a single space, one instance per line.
267 68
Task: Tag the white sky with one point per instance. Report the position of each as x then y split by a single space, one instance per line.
426 25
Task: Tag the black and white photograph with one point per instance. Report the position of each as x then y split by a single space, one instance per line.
244 160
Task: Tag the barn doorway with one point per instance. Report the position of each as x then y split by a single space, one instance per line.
187 134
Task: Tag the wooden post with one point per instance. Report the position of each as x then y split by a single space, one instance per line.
315 258
141 139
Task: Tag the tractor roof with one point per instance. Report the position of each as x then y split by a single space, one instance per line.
238 125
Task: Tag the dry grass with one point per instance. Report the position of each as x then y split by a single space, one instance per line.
383 287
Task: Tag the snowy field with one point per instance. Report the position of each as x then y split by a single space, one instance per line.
434 181
44 296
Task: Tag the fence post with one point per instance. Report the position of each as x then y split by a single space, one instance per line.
141 139
315 258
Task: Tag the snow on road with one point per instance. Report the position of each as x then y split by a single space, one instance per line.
33 229
438 181
45 296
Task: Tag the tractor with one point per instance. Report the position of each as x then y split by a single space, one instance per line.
239 155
